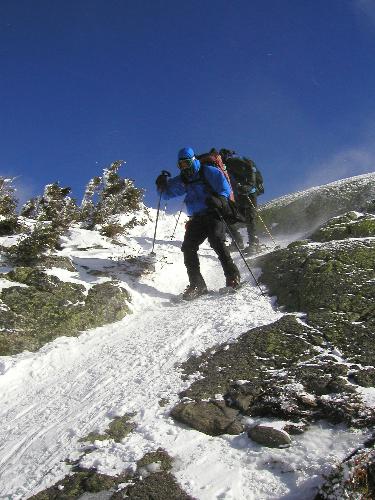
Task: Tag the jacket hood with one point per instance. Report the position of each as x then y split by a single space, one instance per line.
186 153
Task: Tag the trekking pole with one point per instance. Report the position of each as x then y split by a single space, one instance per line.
264 224
178 218
240 252
166 174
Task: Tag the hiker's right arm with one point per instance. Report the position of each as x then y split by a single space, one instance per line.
174 187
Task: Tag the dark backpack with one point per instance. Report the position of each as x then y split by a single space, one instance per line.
245 172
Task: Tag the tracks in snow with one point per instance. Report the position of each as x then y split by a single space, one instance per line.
76 385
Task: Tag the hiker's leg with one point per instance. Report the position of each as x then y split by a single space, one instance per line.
234 229
195 234
216 238
250 216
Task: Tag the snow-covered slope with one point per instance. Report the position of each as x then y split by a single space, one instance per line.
343 186
73 386
305 210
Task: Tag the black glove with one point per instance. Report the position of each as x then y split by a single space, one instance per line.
161 182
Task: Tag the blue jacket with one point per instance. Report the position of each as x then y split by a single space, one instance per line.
196 189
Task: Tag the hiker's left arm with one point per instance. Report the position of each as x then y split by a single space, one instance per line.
218 182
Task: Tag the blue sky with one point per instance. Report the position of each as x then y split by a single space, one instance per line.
289 83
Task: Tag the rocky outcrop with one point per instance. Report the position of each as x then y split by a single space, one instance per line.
75 485
280 370
48 308
333 282
304 367
158 486
349 225
118 429
151 480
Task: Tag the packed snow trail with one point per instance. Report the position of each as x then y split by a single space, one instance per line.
74 386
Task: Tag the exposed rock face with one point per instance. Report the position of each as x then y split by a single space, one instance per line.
48 308
308 277
334 283
278 370
349 225
255 356
77 484
158 486
118 429
306 210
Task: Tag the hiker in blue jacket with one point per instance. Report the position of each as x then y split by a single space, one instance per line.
204 197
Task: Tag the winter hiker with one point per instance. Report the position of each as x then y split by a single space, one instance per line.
206 193
247 184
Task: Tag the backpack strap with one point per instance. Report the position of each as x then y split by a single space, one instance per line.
202 176
230 212
221 167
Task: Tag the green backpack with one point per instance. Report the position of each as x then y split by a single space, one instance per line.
245 172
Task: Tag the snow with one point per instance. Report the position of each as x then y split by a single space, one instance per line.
8 241
74 386
7 284
368 396
72 277
363 179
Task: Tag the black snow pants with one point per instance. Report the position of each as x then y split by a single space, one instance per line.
248 210
198 229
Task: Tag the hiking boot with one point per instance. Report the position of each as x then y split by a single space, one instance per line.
252 249
233 282
193 291
233 248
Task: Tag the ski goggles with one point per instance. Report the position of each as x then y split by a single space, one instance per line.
185 163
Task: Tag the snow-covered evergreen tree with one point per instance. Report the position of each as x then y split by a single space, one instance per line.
8 201
88 205
43 237
30 208
8 204
109 196
54 205
119 195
